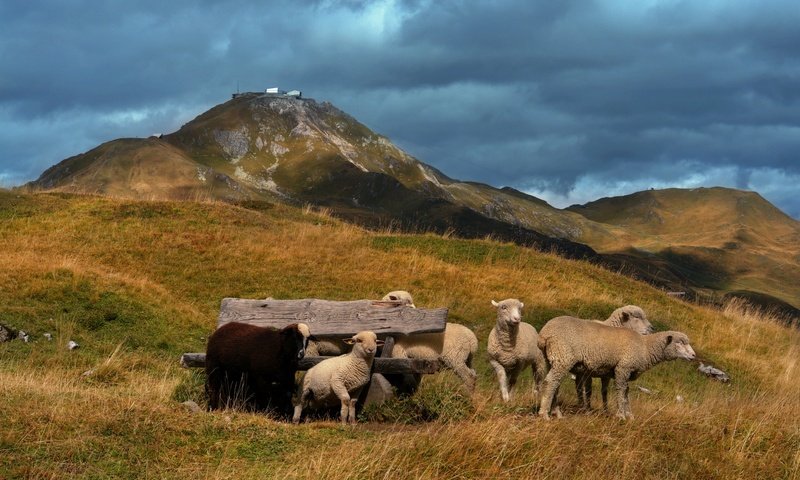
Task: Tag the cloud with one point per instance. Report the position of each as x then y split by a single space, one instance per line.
551 97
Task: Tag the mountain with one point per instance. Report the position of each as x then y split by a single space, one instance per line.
724 239
282 149
260 147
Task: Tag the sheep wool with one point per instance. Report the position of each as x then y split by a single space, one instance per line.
630 317
605 351
454 348
339 378
513 347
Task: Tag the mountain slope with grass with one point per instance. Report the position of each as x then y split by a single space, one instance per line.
276 149
136 283
725 240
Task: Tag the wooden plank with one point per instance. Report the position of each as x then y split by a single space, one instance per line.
327 318
380 365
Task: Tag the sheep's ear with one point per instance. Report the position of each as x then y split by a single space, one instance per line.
669 339
494 304
349 341
625 317
521 304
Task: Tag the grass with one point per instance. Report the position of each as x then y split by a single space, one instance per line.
138 283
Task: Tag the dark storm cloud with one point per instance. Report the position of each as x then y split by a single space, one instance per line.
568 99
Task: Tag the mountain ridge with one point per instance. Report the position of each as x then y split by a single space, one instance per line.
269 148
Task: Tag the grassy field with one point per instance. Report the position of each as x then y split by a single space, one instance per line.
138 283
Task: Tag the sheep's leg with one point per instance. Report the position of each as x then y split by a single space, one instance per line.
501 378
621 382
212 388
301 402
467 375
344 396
512 381
539 370
352 408
604 381
587 390
580 389
551 384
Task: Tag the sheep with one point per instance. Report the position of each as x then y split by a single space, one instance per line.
569 342
629 316
512 347
333 347
455 347
401 296
340 377
249 359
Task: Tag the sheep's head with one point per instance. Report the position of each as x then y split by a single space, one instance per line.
632 317
401 296
509 311
677 346
297 335
365 343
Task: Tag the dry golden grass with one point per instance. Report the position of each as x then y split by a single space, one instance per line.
137 283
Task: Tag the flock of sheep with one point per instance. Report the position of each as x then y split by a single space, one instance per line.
620 348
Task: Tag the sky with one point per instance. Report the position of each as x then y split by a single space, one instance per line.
567 100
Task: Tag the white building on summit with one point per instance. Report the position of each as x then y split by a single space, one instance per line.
284 93
273 92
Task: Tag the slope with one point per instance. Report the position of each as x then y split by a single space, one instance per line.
262 147
138 282
725 239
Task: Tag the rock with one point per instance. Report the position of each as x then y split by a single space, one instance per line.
72 345
714 373
192 406
380 390
87 373
6 333
644 390
48 336
679 398
23 336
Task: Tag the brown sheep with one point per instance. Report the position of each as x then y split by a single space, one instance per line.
257 364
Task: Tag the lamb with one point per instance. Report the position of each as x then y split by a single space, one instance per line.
629 316
513 347
400 296
336 346
257 361
569 342
454 348
341 377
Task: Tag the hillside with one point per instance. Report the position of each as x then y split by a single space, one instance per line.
726 240
136 283
267 148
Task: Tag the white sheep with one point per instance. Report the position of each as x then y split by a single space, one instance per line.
630 317
331 346
455 347
339 378
568 342
512 347
401 296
